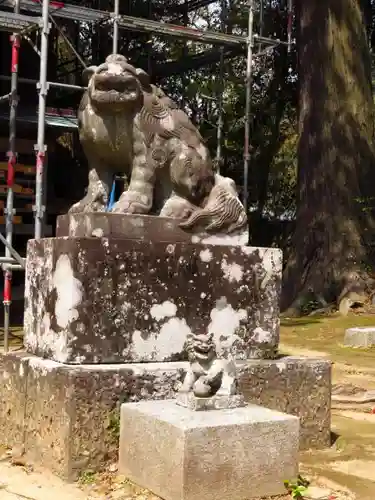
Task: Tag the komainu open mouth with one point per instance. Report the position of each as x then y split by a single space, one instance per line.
115 83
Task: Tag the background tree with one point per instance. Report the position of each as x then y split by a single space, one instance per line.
331 246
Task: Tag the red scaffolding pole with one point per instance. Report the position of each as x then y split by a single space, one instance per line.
12 159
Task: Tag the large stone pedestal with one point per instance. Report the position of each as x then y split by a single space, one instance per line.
97 306
67 417
223 454
112 300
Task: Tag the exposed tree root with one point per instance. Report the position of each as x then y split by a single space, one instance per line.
356 289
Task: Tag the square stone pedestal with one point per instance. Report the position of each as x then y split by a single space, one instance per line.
117 300
363 336
182 454
67 417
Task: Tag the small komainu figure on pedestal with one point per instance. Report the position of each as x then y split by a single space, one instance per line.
210 382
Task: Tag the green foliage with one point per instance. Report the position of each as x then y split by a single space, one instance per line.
297 489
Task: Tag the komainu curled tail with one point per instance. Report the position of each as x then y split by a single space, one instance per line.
222 212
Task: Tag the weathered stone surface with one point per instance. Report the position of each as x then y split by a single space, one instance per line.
295 385
188 400
91 300
138 227
13 384
360 337
67 416
227 454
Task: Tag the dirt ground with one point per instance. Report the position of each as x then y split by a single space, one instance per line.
346 471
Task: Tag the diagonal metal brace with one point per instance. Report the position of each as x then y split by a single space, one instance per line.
5 97
13 252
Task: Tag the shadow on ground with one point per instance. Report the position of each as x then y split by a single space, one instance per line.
350 461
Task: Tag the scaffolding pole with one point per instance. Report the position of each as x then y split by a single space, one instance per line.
40 147
261 22
220 99
50 84
249 67
116 13
12 159
290 24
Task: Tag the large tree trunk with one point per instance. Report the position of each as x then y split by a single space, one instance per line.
330 253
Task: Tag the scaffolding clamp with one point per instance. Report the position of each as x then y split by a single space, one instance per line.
250 40
39 211
14 98
15 40
43 89
6 211
41 151
12 157
40 157
45 29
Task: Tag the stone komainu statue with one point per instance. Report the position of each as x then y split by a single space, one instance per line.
128 126
207 375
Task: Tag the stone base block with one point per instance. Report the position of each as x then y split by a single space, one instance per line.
360 337
67 417
111 300
233 454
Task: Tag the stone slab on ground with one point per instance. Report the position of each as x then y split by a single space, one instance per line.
231 454
363 336
19 483
141 227
98 300
67 417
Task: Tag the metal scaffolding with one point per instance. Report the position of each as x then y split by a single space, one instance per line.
40 15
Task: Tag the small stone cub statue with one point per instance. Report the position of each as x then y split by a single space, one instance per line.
207 375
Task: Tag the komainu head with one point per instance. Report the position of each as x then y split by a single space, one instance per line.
115 86
201 347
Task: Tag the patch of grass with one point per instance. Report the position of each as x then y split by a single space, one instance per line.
326 334
87 477
340 444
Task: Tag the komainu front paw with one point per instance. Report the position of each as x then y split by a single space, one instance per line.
177 208
132 202
87 204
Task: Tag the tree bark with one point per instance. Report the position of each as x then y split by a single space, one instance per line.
330 252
